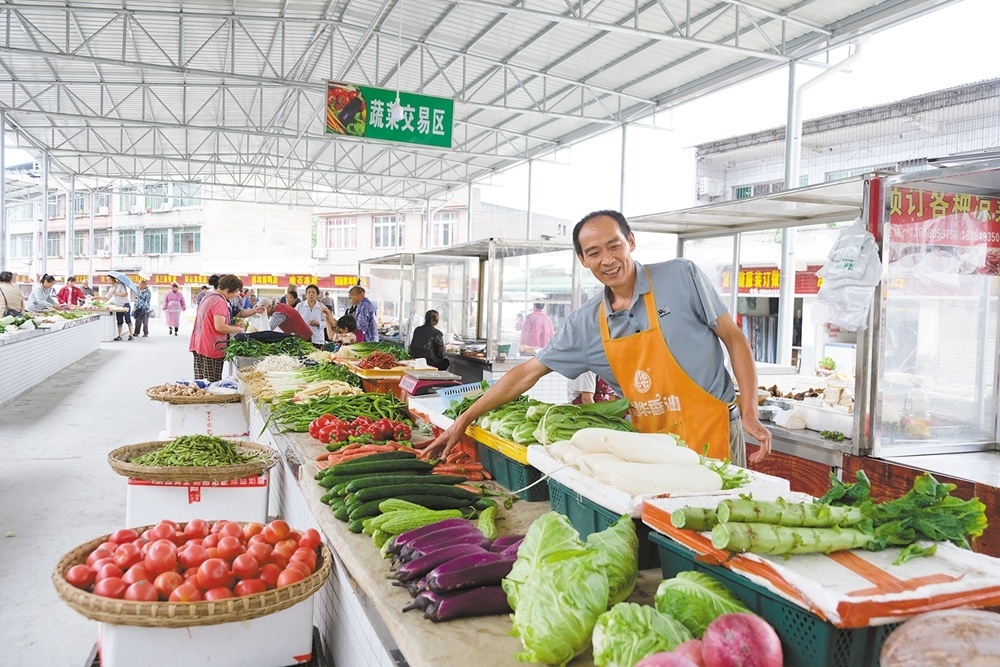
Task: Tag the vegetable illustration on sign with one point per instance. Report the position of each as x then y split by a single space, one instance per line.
363 111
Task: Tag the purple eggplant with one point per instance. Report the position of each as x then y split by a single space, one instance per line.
401 540
450 577
504 541
424 600
421 541
480 601
410 553
511 550
418 567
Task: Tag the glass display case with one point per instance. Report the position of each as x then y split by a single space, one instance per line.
935 345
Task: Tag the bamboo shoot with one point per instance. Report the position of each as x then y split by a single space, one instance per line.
783 513
764 538
694 518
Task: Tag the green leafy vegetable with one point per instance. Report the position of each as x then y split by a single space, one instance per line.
549 536
696 599
619 549
629 632
321 372
458 408
362 350
560 422
733 477
292 345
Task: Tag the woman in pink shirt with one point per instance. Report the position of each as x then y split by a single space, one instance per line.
173 306
211 329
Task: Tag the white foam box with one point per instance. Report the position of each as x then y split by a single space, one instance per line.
278 639
226 420
148 502
825 418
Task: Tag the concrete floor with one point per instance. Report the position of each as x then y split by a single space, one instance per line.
57 490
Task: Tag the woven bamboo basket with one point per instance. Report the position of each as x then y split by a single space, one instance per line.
182 614
119 460
191 400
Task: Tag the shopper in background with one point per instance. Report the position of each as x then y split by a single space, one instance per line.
327 300
655 331
291 288
365 313
282 317
70 294
211 329
118 295
588 388
140 313
347 332
315 314
200 295
87 289
249 299
13 300
291 298
42 295
537 330
428 342
173 306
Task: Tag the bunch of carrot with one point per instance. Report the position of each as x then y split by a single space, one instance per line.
356 451
461 460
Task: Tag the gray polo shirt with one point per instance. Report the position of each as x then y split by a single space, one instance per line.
688 306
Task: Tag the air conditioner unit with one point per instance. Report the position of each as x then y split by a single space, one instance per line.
166 206
104 253
319 253
709 187
135 210
102 210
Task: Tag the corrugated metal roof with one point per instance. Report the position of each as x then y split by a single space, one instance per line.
232 93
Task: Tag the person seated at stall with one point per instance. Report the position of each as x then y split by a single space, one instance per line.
13 300
428 342
283 317
42 297
70 294
347 332
589 388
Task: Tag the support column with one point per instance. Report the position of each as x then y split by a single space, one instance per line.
90 254
44 264
70 227
621 183
4 232
786 290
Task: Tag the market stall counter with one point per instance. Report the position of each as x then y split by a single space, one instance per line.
358 612
27 358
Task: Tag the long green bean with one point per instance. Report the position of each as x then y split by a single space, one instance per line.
194 450
321 372
296 417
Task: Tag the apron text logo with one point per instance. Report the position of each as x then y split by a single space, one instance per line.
642 382
656 406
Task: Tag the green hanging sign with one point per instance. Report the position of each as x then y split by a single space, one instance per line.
372 113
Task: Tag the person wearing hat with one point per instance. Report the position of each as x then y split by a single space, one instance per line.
173 306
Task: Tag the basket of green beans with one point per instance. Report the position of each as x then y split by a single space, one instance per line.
192 458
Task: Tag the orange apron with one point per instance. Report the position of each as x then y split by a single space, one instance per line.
663 397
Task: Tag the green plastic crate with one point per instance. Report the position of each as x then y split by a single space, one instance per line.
513 475
806 639
589 517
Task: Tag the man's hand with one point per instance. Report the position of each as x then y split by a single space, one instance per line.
443 444
752 425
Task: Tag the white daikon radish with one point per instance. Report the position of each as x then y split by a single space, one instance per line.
557 449
591 440
574 454
653 478
649 448
589 463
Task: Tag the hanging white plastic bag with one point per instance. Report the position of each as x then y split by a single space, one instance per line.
258 322
849 275
851 254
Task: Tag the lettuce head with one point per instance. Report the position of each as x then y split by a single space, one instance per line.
618 546
629 632
550 537
696 599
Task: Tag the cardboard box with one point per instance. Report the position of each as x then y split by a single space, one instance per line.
275 640
226 420
148 502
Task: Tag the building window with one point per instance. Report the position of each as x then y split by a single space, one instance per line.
126 242
24 211
102 202
128 200
53 244
21 245
80 200
80 248
444 229
154 241
187 194
342 233
156 197
187 240
56 206
102 241
743 192
387 231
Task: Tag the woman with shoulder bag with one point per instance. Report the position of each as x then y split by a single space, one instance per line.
13 299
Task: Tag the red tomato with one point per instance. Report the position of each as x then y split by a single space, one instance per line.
123 536
217 526
108 570
192 555
99 553
213 573
194 540
310 539
99 563
218 593
179 538
229 547
260 552
80 576
280 560
166 582
286 548
251 529
162 531
141 591
137 573
269 574
127 555
307 556
141 542
111 587
196 529
210 541
191 572
276 531
161 556
147 535
245 566
289 576
300 566
259 537
186 592
173 524
232 529
294 535
213 552
249 587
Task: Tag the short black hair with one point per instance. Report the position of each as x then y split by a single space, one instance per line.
48 278
71 279
309 287
623 225
431 317
6 276
213 280
347 322
293 294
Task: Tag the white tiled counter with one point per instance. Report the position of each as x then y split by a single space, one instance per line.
28 358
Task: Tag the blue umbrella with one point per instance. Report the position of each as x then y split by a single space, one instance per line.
124 279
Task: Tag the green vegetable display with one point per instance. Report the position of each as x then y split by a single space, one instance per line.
560 422
292 345
696 599
194 450
458 408
362 350
296 417
628 632
321 372
784 513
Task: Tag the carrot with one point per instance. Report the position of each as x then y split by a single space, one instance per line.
323 464
478 476
478 490
323 457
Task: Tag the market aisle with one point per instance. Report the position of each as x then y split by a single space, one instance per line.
58 490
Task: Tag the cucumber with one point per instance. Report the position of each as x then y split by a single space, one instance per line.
402 490
337 503
411 478
381 456
355 526
378 467
327 497
341 513
340 488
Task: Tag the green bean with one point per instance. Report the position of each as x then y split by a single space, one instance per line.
297 417
194 450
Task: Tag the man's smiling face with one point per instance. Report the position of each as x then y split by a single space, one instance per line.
607 253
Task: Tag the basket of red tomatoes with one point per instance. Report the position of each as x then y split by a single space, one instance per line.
195 573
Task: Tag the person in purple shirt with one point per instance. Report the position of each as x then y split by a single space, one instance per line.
365 313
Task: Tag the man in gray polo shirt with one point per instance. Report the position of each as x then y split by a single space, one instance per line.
654 334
